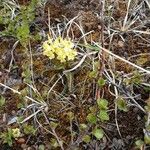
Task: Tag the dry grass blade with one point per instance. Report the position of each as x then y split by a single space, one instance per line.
122 59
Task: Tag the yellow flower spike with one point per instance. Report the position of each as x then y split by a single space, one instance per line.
61 48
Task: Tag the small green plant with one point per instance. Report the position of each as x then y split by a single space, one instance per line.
121 104
91 118
19 25
147 139
7 137
135 79
54 143
41 147
101 82
98 133
101 114
53 125
86 138
29 129
103 108
97 115
11 134
139 144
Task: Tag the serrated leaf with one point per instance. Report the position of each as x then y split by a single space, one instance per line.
103 115
101 82
91 118
86 138
98 133
102 104
122 105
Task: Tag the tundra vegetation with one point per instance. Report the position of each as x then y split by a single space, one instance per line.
74 74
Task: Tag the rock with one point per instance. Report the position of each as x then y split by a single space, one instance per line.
21 141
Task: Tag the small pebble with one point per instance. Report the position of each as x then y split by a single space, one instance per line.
21 141
24 146
121 44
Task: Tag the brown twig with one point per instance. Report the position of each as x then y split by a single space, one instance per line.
101 54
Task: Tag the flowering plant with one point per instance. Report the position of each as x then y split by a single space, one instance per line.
16 132
62 49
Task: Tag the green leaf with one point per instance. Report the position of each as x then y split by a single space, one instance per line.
2 101
29 129
148 128
93 109
23 33
147 139
102 104
93 74
139 144
122 105
101 82
53 125
70 115
54 143
7 137
41 147
147 108
86 138
91 118
83 126
103 115
98 133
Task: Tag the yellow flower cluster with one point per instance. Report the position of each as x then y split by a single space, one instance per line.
16 132
60 48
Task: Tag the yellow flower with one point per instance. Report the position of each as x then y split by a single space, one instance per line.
63 49
46 45
16 132
71 55
49 53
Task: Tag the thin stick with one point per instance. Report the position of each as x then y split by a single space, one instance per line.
15 91
122 59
